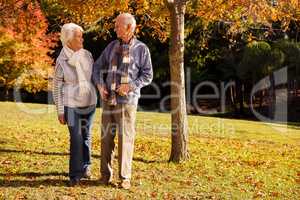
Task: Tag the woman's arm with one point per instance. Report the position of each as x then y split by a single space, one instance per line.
58 89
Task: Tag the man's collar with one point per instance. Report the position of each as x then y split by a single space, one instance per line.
131 42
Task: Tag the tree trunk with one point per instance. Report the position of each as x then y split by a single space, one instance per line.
179 150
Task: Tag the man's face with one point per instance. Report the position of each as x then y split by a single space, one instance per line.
122 29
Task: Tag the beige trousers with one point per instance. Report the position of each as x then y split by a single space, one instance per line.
120 118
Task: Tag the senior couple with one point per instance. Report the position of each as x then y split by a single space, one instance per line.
123 68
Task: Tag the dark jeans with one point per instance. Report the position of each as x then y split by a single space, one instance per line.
79 121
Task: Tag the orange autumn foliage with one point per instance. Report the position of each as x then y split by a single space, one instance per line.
24 46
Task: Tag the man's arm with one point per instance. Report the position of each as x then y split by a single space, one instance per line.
100 67
98 70
146 71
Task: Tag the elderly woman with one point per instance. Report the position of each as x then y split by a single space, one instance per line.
75 99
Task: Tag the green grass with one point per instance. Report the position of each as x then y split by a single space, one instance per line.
230 159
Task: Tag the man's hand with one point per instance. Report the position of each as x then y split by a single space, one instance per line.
61 119
103 92
123 89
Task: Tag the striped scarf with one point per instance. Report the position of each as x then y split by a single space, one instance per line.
123 51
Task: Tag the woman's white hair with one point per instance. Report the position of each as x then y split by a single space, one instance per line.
67 32
129 19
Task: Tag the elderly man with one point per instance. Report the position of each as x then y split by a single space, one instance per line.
123 68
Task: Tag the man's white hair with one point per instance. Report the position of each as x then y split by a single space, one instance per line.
129 19
67 32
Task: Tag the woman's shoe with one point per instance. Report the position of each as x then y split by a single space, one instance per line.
73 182
87 173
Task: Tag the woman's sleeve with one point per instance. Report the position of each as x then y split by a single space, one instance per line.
58 89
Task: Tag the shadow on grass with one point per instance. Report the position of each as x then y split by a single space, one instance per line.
34 174
138 159
29 178
34 152
45 183
3 142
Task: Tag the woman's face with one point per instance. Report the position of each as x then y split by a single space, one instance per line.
76 43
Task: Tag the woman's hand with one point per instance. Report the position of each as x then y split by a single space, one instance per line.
61 119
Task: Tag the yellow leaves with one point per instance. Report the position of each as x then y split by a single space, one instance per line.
151 14
120 196
250 38
294 3
138 28
204 176
274 16
121 5
242 13
142 5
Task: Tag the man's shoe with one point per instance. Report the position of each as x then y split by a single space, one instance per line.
125 184
107 182
104 181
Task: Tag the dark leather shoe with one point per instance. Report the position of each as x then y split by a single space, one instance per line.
73 182
107 182
104 181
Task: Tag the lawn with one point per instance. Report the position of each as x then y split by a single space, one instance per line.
230 159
